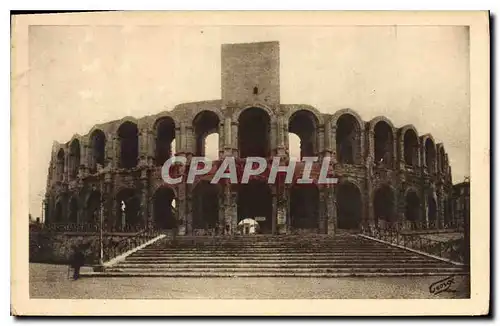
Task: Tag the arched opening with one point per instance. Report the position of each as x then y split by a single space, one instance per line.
383 204
448 219
205 206
347 138
293 147
128 210
442 160
98 146
74 158
206 134
128 135
60 165
411 148
165 140
384 144
93 207
432 212
349 206
253 133
412 207
430 155
58 213
164 209
304 207
73 210
303 123
255 202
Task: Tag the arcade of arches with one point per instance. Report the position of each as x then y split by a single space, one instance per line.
205 207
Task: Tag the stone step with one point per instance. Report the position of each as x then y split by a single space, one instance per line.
292 270
211 260
359 255
278 265
268 274
266 251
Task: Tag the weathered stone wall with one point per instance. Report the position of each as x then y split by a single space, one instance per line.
146 178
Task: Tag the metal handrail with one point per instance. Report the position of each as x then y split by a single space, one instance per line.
453 250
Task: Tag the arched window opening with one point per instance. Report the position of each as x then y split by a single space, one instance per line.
206 132
348 206
73 210
98 146
165 140
410 140
205 206
412 207
58 213
383 204
93 207
255 202
293 147
128 208
254 133
74 158
165 210
347 138
432 212
430 155
60 165
128 135
304 207
384 144
303 123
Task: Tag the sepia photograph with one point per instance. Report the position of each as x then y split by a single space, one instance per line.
292 157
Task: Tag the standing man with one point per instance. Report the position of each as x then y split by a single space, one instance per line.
77 261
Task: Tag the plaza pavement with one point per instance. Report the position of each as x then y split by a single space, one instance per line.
52 282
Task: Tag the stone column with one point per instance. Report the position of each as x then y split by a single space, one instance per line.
323 214
178 140
328 150
282 211
189 208
108 202
146 220
331 210
230 210
274 213
440 207
320 142
181 204
227 145
234 139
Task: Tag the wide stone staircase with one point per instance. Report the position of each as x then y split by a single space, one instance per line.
275 256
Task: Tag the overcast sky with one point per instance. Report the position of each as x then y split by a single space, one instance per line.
85 75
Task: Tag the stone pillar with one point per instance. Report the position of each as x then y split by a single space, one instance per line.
320 142
323 214
274 213
234 139
328 150
425 207
227 144
178 140
331 210
440 207
108 201
181 206
66 167
146 221
282 215
189 209
394 163
230 210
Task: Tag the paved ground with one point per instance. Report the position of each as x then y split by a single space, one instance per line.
51 282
